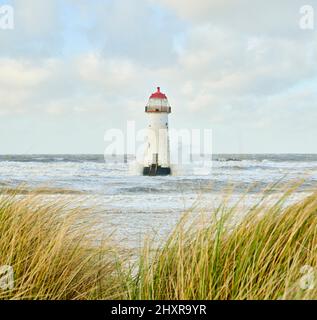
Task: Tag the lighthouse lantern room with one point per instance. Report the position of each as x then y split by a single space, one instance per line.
157 153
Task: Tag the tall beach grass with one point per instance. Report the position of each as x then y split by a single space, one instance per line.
52 248
56 253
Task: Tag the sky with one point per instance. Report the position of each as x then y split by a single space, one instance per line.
71 70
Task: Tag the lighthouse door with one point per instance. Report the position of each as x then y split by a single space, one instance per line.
154 165
155 158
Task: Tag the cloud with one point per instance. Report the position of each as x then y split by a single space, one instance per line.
37 31
137 30
274 18
19 83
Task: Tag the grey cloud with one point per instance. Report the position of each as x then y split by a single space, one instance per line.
132 29
37 31
273 17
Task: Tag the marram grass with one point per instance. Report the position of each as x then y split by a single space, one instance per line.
270 253
53 251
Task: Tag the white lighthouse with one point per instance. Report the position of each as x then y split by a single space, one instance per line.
157 153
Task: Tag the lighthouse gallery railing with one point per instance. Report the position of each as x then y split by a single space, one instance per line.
158 109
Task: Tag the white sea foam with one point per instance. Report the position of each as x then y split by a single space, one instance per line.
135 205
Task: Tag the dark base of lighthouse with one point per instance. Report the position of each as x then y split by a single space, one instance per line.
155 170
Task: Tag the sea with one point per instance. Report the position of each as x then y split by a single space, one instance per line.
132 206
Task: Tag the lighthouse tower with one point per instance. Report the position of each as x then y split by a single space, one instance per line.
157 153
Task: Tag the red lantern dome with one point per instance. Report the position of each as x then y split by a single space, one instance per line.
158 94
